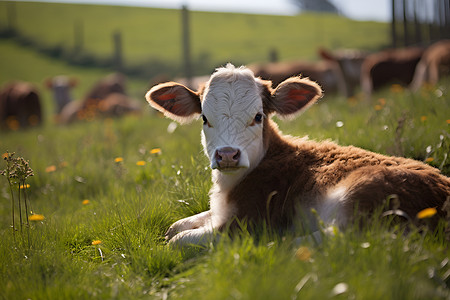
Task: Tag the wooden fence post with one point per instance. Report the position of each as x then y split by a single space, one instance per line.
405 25
78 36
186 48
11 16
117 56
393 25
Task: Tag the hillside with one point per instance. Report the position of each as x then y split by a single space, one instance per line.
152 37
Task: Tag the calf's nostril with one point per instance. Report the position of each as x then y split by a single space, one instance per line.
237 155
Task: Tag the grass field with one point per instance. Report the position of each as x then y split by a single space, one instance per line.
109 189
216 38
130 206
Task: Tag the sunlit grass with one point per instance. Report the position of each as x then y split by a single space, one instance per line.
104 216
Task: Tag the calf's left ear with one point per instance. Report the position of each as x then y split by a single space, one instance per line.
293 96
176 101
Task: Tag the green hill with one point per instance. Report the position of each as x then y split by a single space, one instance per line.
153 36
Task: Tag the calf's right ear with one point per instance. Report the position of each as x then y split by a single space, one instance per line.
175 101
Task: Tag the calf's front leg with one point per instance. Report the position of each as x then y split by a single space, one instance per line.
180 227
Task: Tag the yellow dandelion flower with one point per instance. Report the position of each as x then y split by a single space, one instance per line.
96 242
86 202
378 107
448 121
423 118
50 169
118 159
141 163
429 159
36 217
5 155
63 164
427 213
303 254
12 123
382 101
396 88
26 186
155 151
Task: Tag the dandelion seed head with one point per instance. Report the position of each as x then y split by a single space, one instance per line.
365 245
339 288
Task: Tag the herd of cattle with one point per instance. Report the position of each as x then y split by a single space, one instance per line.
337 72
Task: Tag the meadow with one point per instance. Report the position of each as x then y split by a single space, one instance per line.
106 191
152 37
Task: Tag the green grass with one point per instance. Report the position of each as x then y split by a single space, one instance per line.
216 38
130 207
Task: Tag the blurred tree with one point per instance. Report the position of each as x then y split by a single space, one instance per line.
316 5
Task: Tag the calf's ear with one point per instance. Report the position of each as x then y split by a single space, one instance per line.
176 101
294 95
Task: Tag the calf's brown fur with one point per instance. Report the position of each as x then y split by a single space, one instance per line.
295 175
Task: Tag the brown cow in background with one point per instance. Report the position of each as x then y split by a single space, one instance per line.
107 98
434 64
61 87
389 66
350 62
20 106
326 73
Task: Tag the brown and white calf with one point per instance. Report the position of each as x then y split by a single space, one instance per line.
262 176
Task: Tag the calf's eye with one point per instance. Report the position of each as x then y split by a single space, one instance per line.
205 121
258 118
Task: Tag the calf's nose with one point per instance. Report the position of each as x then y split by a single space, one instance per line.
227 157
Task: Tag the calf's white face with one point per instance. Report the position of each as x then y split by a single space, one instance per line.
232 113
233 106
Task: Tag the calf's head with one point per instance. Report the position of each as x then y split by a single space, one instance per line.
234 107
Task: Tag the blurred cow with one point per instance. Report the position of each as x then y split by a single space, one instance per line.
350 62
61 87
389 66
326 73
434 64
20 106
107 98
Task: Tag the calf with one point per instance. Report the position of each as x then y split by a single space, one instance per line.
61 87
327 73
20 106
349 61
107 98
259 175
435 63
389 66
